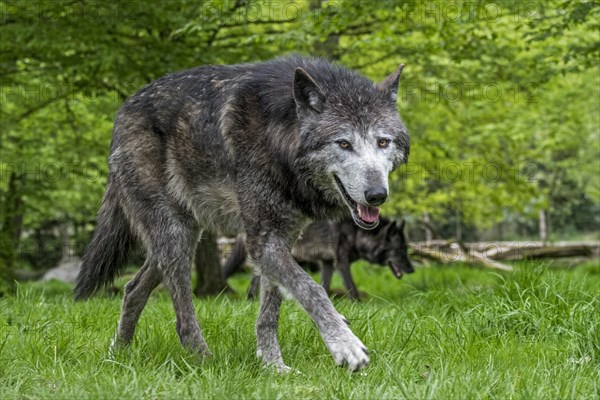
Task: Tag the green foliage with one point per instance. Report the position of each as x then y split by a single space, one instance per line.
439 333
501 99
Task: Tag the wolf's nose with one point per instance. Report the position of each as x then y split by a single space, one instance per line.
376 196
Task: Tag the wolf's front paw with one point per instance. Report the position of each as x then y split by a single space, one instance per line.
348 350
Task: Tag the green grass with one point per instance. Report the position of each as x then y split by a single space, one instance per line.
442 333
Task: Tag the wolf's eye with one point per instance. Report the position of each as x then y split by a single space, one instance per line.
345 145
383 143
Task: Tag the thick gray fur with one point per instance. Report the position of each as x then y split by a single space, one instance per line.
254 148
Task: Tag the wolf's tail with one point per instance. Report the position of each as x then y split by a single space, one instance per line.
236 259
107 253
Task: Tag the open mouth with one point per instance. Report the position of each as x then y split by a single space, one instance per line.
366 217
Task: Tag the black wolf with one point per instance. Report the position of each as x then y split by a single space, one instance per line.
339 244
262 148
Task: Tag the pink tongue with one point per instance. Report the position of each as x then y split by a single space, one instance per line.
368 214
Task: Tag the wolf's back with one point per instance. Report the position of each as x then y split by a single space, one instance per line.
107 252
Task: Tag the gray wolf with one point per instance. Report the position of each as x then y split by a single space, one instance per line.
339 244
262 148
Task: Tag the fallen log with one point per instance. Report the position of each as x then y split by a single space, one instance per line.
458 255
520 253
500 251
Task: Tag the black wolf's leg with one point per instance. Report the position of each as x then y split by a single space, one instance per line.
279 267
137 292
267 344
326 274
253 288
344 268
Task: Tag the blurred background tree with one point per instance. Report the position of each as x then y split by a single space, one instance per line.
501 99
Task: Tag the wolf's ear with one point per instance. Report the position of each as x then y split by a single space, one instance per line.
389 85
391 228
308 95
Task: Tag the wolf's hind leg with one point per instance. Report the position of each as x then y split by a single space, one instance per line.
175 266
137 292
267 324
169 234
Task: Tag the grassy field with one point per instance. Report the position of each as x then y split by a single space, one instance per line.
441 333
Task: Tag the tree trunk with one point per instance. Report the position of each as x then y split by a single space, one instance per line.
11 222
329 48
7 264
544 226
209 275
66 250
500 230
458 232
428 232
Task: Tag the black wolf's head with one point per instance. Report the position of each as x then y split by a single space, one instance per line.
388 247
351 137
